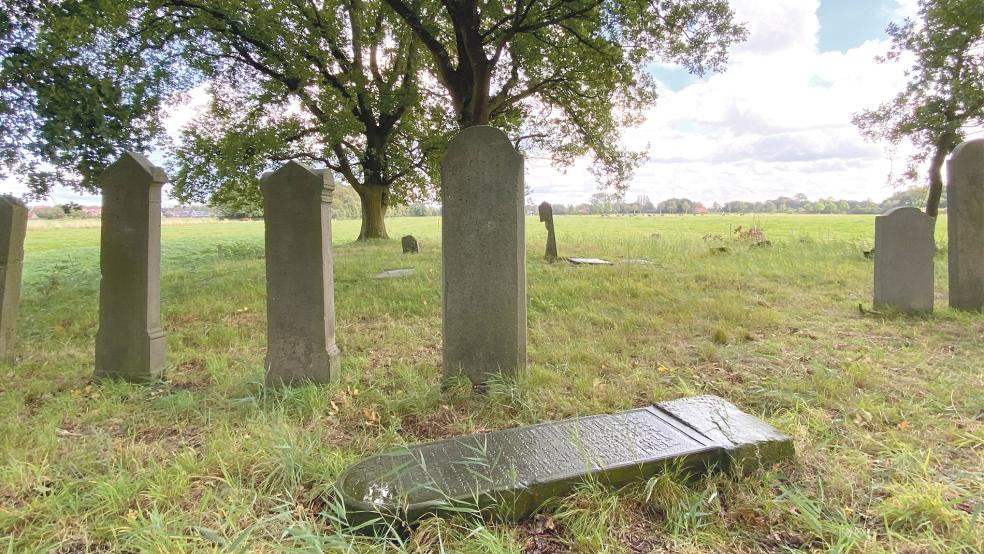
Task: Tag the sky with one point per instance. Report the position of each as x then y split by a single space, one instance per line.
776 122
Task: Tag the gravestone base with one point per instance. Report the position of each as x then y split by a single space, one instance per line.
512 472
145 363
319 368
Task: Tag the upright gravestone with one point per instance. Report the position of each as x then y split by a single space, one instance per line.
130 342
546 216
13 227
410 245
300 283
484 249
965 225
904 250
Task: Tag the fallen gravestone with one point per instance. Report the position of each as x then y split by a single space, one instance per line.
965 225
395 273
638 261
514 471
588 261
546 216
130 341
410 245
13 227
904 250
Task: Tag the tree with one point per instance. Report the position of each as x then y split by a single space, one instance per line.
945 91
565 76
334 82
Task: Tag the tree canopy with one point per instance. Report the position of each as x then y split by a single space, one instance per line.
944 95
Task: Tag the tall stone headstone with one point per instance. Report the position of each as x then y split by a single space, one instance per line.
300 281
904 250
546 216
965 225
130 342
484 249
13 227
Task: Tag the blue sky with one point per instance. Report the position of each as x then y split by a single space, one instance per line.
777 122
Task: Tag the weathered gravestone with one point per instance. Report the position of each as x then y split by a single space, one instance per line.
410 245
300 281
514 471
904 250
588 261
130 342
965 225
546 216
13 227
484 250
395 273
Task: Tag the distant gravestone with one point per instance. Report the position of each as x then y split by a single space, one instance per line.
13 228
546 216
484 251
395 273
514 471
300 280
410 245
588 261
904 250
130 341
965 225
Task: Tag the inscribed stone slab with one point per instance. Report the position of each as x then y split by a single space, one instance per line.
13 228
514 471
130 342
965 225
904 250
484 254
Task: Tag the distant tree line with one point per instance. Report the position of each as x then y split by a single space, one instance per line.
604 203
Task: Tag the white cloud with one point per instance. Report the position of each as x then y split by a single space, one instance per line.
777 122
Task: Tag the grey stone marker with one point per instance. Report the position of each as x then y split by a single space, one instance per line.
965 225
514 471
300 281
410 245
904 250
484 250
13 228
395 273
588 261
546 216
130 342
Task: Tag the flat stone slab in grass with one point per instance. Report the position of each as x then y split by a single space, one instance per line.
395 273
638 261
514 471
588 261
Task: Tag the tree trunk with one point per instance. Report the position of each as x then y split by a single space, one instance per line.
373 212
943 148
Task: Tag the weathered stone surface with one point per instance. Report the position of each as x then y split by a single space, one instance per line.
515 471
410 245
395 273
588 261
484 250
546 216
13 228
965 225
130 342
904 250
300 280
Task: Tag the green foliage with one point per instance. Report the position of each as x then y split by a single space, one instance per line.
944 95
50 213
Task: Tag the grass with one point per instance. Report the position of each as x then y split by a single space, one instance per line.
886 410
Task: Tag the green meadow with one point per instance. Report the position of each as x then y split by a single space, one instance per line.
886 410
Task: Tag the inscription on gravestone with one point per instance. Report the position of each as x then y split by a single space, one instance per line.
546 216
13 227
514 471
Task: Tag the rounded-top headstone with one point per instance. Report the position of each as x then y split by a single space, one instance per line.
965 225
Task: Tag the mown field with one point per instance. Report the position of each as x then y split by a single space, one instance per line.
887 410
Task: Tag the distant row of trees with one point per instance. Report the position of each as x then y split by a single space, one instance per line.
603 203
